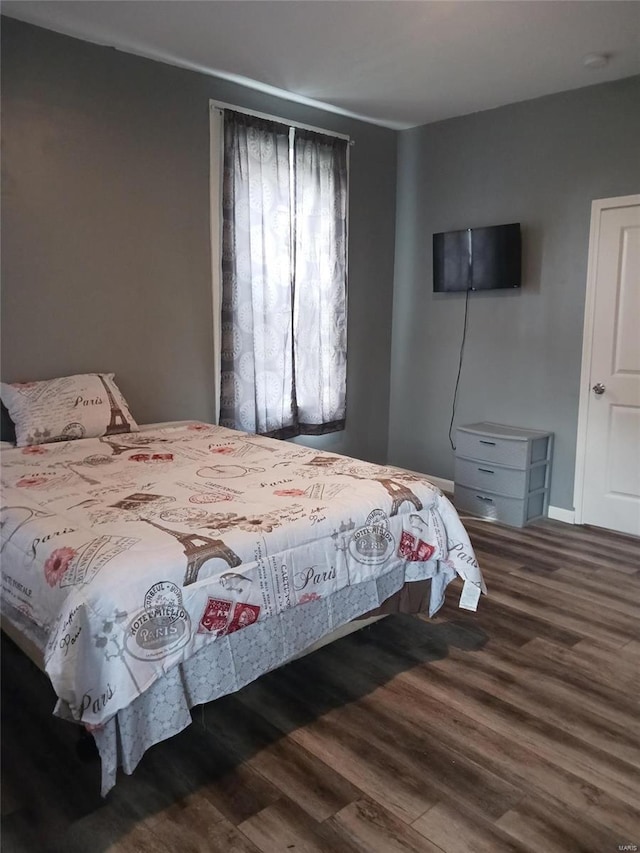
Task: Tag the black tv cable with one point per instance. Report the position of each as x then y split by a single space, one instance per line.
464 337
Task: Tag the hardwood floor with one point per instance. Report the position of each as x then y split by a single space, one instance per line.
512 729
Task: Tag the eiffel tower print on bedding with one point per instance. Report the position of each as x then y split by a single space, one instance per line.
83 406
127 558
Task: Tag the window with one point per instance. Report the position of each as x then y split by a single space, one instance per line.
283 263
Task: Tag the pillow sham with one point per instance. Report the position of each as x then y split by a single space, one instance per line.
84 406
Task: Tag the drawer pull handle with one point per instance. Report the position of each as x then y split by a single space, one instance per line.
492 443
482 498
486 471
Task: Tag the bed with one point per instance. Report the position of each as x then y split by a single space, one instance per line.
153 571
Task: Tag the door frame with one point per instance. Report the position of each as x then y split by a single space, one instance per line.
597 208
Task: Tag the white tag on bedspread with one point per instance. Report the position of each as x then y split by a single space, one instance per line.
470 596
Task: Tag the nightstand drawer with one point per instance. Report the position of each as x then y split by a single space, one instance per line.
512 482
514 511
504 451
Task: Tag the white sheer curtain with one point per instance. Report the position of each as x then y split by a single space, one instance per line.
283 279
320 303
257 337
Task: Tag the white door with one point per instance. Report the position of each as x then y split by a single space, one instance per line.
608 469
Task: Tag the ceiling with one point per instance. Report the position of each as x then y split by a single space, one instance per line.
396 63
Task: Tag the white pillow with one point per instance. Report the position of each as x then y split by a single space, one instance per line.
83 406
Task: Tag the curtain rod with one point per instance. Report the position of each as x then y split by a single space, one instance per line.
220 105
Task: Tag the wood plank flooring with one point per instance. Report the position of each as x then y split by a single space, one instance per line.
512 729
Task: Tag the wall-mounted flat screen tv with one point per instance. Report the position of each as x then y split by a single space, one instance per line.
477 259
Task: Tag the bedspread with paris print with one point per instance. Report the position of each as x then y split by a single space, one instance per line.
132 552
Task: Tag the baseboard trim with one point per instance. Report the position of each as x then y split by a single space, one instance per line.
441 483
557 513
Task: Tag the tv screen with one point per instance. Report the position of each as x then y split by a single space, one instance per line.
477 259
452 261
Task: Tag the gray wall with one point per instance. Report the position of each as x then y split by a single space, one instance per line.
105 226
540 163
105 261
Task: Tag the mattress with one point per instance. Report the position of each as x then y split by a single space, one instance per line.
130 555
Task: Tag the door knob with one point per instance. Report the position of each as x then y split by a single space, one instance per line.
598 388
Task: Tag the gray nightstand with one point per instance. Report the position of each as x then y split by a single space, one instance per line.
503 472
